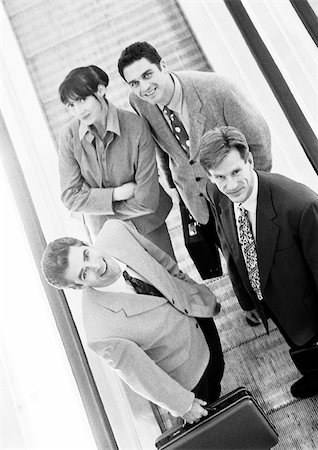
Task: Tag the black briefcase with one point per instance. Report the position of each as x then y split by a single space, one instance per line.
235 421
204 253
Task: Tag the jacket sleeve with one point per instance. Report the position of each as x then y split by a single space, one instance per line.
239 112
146 197
143 375
240 291
309 238
79 197
76 194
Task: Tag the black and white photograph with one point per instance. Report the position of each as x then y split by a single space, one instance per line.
159 269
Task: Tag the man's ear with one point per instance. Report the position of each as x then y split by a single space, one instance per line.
163 65
250 159
101 90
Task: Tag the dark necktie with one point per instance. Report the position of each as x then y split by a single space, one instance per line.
178 130
141 287
248 245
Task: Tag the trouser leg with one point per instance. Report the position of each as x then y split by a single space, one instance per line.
305 363
211 239
209 386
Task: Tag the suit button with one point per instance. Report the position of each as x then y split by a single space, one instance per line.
172 301
198 179
200 195
186 311
192 162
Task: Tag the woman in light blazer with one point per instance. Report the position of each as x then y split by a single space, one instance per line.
107 161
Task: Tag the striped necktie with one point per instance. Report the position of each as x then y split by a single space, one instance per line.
178 130
140 286
248 245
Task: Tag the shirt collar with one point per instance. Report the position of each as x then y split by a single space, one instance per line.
175 103
112 124
251 203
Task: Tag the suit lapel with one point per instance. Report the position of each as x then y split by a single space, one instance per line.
227 218
136 257
196 118
160 129
131 304
266 230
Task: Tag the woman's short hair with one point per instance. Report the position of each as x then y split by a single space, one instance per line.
136 51
55 262
218 143
82 82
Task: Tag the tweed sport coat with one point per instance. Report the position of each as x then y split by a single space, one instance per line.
287 249
212 101
154 343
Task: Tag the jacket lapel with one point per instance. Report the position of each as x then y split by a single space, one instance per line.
86 156
227 219
131 304
160 129
266 230
196 118
143 264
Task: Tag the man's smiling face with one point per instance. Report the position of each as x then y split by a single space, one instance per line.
89 268
149 82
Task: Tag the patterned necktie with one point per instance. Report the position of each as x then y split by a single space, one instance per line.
249 250
178 130
141 287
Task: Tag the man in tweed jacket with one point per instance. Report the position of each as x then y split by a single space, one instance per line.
202 101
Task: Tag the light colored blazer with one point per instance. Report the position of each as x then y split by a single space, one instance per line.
212 101
287 249
129 156
154 343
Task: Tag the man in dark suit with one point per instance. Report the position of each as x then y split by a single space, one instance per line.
267 225
162 342
198 101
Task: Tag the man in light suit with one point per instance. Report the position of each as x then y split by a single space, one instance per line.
201 101
267 225
165 346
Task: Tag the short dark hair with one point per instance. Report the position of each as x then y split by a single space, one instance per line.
55 262
82 82
216 144
136 51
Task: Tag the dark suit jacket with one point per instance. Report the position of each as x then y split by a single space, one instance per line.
287 248
212 100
